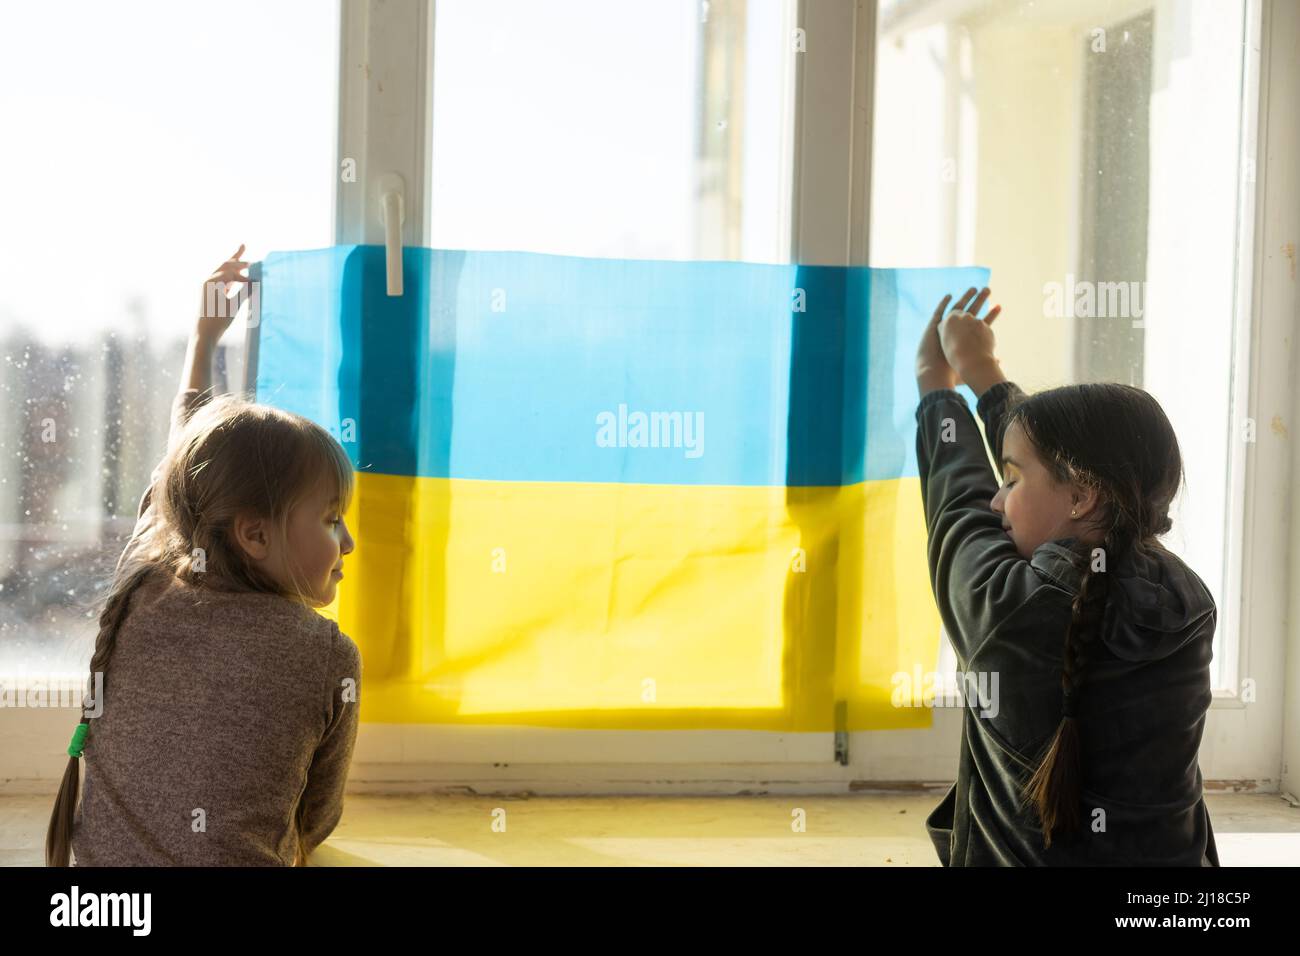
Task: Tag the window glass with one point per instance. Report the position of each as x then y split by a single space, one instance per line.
1088 152
653 129
143 143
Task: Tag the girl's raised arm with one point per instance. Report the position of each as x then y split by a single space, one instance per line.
217 310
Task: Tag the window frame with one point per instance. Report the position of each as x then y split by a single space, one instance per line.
1244 741
392 42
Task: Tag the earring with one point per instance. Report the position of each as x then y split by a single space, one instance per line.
1073 515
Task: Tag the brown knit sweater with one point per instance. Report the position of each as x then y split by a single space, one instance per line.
222 713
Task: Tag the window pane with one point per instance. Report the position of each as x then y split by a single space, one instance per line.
613 128
144 142
1087 151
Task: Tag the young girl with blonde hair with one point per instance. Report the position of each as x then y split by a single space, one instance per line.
228 707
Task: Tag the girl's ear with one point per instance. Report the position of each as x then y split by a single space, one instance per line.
1084 500
251 535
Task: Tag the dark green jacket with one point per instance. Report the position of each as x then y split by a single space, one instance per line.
1141 710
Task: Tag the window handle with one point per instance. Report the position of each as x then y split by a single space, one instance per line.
392 213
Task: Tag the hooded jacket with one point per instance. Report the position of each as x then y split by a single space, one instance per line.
1140 709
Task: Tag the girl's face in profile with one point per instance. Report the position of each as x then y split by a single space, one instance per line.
317 540
1035 508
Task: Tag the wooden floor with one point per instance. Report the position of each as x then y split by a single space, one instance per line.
856 830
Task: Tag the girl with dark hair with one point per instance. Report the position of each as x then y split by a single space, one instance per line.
1056 582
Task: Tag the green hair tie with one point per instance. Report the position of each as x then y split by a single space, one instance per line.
78 739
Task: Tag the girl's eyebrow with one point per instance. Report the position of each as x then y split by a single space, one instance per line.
1008 460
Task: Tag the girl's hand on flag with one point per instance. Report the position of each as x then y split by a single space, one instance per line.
968 342
933 370
217 308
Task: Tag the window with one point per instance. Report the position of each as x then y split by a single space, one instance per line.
1087 152
633 129
1061 144
141 149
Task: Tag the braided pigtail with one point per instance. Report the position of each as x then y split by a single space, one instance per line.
1054 789
58 837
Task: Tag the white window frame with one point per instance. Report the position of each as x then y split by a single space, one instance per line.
1245 747
390 42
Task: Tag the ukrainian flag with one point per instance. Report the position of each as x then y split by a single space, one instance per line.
605 493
